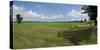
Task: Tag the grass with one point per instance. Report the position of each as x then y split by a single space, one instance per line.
39 34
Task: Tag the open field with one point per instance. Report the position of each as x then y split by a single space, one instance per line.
46 34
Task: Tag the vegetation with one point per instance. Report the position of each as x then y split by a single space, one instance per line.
19 18
78 35
91 11
52 34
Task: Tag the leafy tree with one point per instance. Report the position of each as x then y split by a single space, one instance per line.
91 11
19 18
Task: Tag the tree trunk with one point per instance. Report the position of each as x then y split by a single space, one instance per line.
95 22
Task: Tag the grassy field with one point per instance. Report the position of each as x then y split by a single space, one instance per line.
45 34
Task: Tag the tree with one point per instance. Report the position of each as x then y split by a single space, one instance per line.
81 21
85 20
19 18
91 11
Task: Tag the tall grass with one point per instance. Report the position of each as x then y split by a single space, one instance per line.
75 36
35 35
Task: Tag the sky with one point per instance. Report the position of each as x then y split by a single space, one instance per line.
39 11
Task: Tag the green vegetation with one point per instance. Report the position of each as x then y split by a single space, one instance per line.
19 18
91 11
51 34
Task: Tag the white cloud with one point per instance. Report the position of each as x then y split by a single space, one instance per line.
74 13
56 16
23 12
32 14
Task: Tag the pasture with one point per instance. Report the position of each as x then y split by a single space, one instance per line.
46 34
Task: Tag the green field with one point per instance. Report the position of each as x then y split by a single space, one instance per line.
45 34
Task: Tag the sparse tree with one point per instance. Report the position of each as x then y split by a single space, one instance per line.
85 20
81 21
19 18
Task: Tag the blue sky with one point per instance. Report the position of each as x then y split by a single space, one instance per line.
38 11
